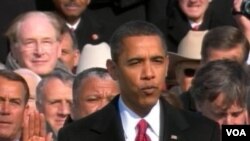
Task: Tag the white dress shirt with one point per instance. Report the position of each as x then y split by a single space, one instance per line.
74 26
130 120
194 24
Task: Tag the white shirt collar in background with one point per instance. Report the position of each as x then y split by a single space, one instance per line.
74 26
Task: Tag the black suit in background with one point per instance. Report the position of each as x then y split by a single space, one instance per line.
103 16
176 25
44 5
105 125
89 27
115 13
9 9
118 12
150 10
157 10
188 101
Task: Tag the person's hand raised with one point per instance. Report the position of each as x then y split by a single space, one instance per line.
242 21
34 128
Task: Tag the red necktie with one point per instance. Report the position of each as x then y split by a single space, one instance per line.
141 134
196 28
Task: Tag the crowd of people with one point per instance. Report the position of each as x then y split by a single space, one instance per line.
127 70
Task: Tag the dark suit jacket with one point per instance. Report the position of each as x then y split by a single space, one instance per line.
105 125
10 9
89 26
188 101
153 10
176 25
113 13
157 10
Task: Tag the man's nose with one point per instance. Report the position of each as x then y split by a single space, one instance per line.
148 71
4 108
64 108
39 49
228 120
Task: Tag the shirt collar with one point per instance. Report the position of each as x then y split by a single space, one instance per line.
74 26
130 119
193 24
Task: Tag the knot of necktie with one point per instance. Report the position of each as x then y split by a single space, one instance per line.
196 27
141 134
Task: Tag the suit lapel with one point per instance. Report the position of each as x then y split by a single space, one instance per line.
110 122
172 123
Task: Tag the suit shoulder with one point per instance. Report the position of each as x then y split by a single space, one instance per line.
101 118
197 117
192 125
193 120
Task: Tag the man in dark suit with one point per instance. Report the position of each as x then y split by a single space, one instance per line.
139 63
186 15
78 19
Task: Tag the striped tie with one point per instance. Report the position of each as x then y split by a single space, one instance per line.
141 134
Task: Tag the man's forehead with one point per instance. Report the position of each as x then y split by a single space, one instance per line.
154 41
223 104
11 90
34 23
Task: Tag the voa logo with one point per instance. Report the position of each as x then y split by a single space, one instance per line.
236 132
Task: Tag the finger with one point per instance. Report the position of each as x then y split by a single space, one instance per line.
37 126
25 132
31 124
237 4
36 138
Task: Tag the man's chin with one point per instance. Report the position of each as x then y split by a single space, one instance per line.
42 72
73 15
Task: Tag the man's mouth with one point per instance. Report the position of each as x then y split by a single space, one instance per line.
148 90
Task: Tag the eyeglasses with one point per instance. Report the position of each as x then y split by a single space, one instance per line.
32 44
189 72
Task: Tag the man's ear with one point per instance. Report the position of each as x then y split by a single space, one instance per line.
112 68
167 65
59 48
198 106
76 57
14 52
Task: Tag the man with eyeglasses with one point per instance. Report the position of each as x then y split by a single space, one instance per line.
184 63
35 42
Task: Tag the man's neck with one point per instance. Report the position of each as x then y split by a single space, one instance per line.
72 20
140 111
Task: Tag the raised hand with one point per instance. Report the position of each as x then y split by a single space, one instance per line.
34 128
242 21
